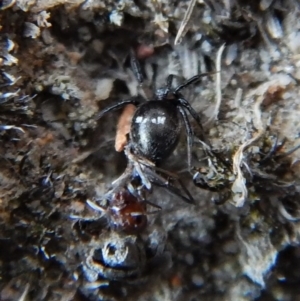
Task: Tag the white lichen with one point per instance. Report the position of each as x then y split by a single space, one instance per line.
257 256
116 17
215 112
42 19
25 5
31 30
183 25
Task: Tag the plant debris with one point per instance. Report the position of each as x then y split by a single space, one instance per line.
64 61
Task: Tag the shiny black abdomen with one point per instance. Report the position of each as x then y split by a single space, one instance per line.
155 129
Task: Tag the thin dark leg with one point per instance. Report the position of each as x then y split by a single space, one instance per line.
117 106
288 152
122 181
190 135
184 103
169 85
160 181
174 190
136 67
191 81
272 151
153 205
191 199
276 148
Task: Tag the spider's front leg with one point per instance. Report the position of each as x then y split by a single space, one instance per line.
136 67
135 101
191 81
189 134
160 181
186 105
169 85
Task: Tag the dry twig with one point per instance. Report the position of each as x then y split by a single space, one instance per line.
218 85
181 31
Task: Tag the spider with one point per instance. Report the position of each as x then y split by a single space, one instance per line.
154 134
156 124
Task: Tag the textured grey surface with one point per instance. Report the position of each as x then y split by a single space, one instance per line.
62 61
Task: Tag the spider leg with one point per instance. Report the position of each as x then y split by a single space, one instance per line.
192 80
190 135
184 103
153 205
158 180
276 147
172 177
145 181
174 190
183 187
271 152
145 170
281 145
134 191
137 163
117 106
288 152
122 181
136 67
138 194
169 85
